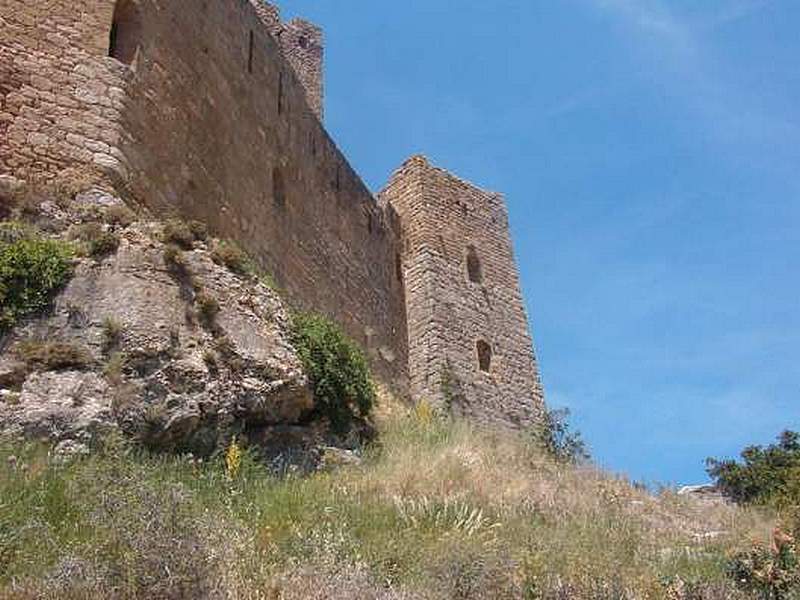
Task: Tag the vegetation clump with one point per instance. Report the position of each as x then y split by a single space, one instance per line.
119 216
184 234
769 571
768 475
208 309
559 440
103 245
32 270
228 254
112 334
337 367
14 231
97 240
114 369
53 356
175 261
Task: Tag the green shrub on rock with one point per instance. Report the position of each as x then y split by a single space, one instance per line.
184 234
96 241
31 271
337 368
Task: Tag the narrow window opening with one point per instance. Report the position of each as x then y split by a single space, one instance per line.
280 93
112 43
278 188
398 267
474 270
338 182
302 41
250 53
484 356
126 32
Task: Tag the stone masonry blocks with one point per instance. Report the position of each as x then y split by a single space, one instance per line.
469 347
215 114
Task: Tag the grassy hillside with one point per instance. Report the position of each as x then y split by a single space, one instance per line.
436 510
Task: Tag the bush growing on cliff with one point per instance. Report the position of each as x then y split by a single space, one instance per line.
184 234
97 241
53 355
337 367
31 271
228 254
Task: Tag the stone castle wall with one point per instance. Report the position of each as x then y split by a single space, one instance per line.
208 121
211 110
61 97
469 346
218 127
302 45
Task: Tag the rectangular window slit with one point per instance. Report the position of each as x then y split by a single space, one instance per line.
250 54
280 93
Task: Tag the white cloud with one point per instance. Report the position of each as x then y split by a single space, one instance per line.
678 49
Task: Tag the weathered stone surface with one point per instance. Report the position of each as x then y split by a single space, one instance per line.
156 371
705 493
469 346
266 174
214 114
70 405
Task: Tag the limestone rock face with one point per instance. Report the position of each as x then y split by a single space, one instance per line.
180 353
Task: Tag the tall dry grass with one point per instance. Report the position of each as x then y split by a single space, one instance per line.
436 510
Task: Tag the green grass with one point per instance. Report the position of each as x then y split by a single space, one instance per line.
437 510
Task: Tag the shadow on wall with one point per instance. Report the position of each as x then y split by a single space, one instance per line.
126 32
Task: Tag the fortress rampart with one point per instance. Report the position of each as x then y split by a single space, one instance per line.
212 110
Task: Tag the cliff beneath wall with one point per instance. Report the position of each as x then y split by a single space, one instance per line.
154 330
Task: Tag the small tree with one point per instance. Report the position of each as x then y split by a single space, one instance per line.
558 439
768 475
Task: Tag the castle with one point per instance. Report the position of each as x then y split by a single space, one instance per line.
212 110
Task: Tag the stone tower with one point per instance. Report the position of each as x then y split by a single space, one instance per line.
302 45
469 346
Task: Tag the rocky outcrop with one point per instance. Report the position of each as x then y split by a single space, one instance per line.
161 344
705 493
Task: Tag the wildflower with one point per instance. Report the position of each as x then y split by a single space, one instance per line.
233 459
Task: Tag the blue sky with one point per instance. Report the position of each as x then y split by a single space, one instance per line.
649 151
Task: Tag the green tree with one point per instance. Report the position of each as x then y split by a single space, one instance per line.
558 439
765 475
